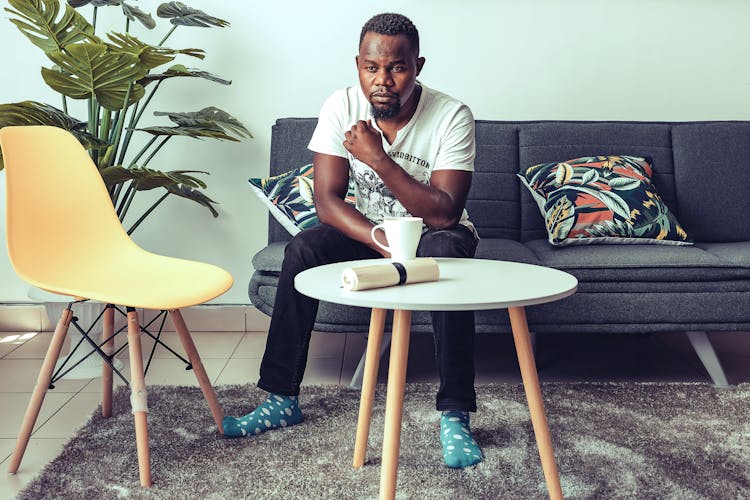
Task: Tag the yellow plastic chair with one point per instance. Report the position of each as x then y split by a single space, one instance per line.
64 236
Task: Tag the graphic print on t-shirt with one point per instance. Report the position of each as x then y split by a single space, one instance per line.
374 199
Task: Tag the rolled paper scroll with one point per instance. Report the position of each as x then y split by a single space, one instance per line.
390 274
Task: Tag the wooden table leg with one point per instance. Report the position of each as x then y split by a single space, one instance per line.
394 403
369 379
534 397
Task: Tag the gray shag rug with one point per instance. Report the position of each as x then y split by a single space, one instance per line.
612 440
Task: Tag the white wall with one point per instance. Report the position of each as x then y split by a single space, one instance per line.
507 59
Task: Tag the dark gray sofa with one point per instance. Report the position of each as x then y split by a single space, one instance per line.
701 171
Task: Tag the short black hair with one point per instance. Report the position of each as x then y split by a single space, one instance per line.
392 24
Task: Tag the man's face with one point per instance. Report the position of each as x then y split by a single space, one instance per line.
388 67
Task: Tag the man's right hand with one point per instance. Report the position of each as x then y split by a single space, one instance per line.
365 143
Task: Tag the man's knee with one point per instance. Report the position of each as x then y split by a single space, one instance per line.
447 243
308 247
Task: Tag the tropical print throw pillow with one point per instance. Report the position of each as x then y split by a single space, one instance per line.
602 199
289 197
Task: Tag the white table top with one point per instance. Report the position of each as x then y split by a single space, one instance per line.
464 284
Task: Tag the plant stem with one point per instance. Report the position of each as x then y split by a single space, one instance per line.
134 119
125 198
112 150
93 22
128 199
140 153
65 104
91 125
116 193
156 150
167 36
111 136
147 212
104 128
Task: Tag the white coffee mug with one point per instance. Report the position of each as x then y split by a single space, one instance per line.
403 235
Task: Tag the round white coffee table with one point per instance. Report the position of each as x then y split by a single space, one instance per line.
465 284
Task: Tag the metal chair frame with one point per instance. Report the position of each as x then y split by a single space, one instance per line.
61 370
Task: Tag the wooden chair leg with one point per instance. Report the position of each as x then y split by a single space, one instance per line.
534 397
200 371
369 379
138 397
40 390
108 329
394 403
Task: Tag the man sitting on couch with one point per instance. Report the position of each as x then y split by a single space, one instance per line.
410 150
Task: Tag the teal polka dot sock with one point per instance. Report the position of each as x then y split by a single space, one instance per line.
277 411
459 448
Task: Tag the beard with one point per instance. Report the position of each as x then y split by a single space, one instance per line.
386 112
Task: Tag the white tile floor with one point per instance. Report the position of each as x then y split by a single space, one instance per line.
234 357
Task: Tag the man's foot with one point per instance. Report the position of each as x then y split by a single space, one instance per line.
459 448
277 411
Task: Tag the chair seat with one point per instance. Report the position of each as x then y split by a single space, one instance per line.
137 278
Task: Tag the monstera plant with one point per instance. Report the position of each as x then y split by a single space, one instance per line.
117 77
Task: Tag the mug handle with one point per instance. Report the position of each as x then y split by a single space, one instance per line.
372 235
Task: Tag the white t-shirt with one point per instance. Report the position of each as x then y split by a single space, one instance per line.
440 136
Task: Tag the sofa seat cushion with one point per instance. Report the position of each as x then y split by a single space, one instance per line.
618 264
269 259
503 249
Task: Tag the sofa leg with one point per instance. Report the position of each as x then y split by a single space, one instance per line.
356 382
705 351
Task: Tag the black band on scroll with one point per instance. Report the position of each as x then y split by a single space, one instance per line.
401 272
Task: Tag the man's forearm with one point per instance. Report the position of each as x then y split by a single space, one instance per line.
347 219
436 207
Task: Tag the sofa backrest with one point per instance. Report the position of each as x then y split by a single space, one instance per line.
289 139
699 169
712 179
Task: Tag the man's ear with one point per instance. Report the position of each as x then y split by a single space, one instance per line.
420 64
356 61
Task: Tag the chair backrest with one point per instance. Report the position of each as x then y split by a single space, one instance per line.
58 209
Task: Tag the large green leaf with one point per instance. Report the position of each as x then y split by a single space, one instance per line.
195 195
180 14
131 12
38 21
210 117
149 56
179 70
90 69
95 3
145 179
37 113
175 182
194 132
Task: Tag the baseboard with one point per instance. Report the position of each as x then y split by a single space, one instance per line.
204 318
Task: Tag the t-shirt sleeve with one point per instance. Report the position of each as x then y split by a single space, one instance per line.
457 145
328 137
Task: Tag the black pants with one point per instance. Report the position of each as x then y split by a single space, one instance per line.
294 314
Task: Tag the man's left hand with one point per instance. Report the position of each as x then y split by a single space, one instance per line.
365 143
